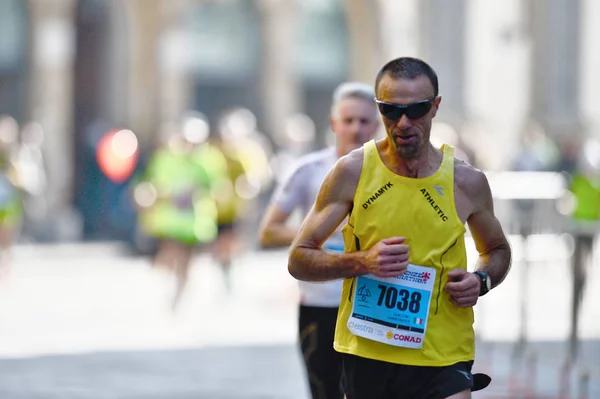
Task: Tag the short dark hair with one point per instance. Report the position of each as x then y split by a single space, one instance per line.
408 68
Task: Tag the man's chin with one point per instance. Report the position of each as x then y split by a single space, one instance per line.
407 151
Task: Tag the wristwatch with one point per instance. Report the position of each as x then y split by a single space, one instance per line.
486 282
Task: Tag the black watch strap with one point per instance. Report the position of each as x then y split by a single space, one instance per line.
485 286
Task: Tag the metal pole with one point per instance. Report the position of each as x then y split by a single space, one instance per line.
581 253
565 381
520 347
531 373
584 383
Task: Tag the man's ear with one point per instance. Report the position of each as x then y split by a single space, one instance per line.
332 123
436 104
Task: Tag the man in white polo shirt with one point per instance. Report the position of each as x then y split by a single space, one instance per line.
354 120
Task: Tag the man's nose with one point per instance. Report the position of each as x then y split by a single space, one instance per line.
355 127
404 122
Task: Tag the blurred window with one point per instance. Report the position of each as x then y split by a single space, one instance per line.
13 45
13 52
224 39
322 53
91 10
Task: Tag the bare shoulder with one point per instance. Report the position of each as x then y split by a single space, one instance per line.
350 165
471 181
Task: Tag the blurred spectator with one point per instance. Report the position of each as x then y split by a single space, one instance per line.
585 189
31 167
11 208
537 151
585 183
569 156
175 202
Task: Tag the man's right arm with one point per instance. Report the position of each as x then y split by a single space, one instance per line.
309 262
290 194
273 231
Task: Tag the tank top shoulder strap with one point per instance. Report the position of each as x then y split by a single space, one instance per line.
447 166
448 157
370 149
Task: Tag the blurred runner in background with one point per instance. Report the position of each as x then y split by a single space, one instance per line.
246 152
354 120
11 207
176 205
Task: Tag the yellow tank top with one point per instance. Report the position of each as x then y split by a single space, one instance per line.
423 211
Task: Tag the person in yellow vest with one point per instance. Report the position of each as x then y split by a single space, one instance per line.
230 208
405 322
237 198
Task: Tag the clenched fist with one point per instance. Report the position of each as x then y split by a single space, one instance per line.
388 258
463 287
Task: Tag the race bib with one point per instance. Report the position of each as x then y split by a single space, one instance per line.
393 310
334 245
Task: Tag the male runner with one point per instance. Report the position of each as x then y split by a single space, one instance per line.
354 121
405 324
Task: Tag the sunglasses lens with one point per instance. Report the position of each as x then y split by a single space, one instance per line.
412 111
418 110
390 111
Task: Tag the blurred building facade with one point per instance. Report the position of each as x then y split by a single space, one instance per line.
81 67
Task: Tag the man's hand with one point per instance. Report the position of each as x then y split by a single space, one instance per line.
463 287
388 258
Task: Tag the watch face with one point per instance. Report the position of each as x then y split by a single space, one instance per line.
486 283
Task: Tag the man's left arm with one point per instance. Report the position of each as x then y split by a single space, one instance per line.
490 242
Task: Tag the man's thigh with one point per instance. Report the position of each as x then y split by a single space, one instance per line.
365 378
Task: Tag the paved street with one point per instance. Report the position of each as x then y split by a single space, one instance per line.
88 321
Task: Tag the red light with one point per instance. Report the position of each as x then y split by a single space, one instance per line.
117 154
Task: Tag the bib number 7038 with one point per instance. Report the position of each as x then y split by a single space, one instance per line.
401 299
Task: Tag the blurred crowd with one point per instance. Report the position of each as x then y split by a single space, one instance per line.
22 181
199 188
203 186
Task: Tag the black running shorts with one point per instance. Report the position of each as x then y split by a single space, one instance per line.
372 379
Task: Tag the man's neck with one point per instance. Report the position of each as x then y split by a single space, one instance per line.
421 165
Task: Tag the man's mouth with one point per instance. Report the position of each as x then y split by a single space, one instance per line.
406 138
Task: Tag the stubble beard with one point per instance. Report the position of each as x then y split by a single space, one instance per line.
407 152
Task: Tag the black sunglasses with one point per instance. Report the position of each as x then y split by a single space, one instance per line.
412 111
